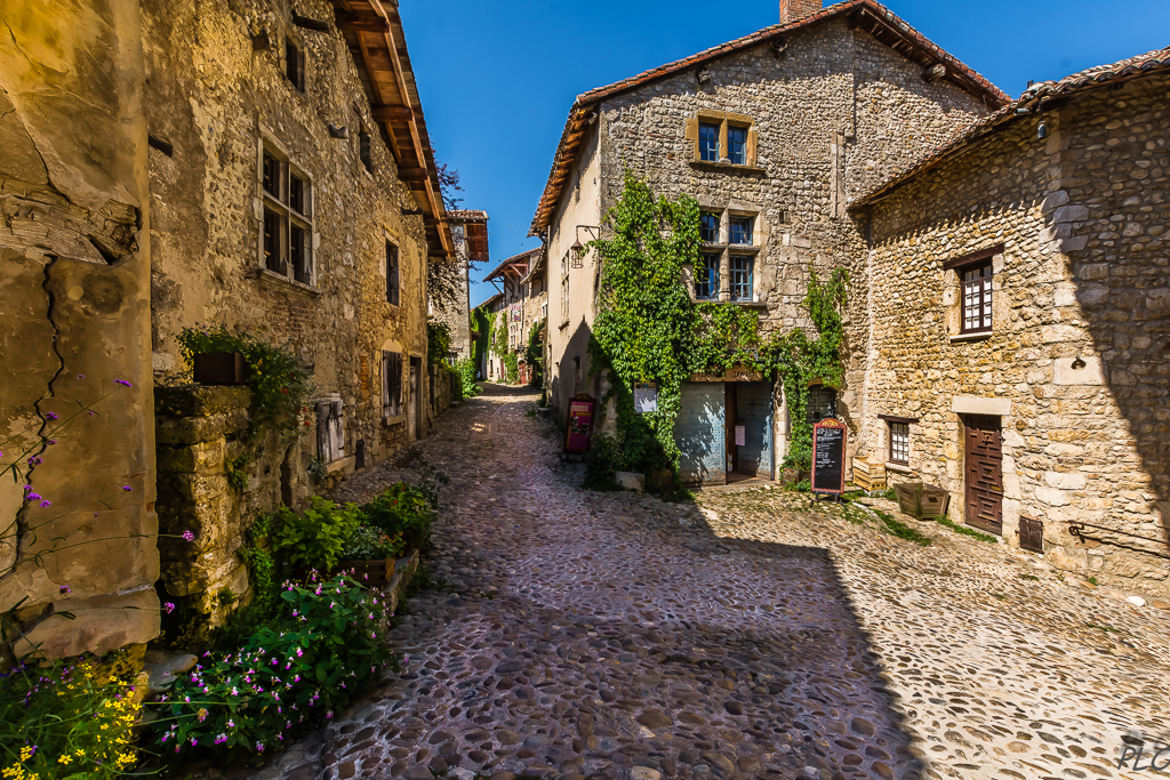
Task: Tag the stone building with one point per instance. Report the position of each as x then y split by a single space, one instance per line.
262 166
772 134
1019 316
450 288
523 302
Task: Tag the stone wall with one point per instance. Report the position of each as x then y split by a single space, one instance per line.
74 292
217 92
831 117
446 389
1075 364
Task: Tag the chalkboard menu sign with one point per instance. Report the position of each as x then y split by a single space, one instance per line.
828 459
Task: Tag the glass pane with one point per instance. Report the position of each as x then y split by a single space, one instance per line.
271 175
741 230
296 193
737 145
273 259
709 227
709 142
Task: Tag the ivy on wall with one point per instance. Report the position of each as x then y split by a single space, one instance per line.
648 329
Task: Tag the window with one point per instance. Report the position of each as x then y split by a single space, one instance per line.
287 224
741 268
391 384
707 277
976 296
330 429
709 227
741 230
709 142
565 290
364 148
822 403
391 273
899 443
737 144
294 64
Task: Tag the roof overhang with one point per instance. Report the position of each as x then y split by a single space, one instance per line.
516 267
867 15
373 31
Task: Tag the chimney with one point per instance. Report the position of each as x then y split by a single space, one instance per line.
795 10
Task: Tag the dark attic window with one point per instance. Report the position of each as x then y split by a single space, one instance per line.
364 148
294 64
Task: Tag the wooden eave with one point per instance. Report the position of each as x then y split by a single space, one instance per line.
374 34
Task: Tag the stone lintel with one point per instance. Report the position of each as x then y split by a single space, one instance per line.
974 404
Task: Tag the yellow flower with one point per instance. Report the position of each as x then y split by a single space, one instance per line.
65 759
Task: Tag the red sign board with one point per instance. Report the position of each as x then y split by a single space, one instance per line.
828 456
579 426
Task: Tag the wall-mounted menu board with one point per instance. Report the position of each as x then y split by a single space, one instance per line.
828 458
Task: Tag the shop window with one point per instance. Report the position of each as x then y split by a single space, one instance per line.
707 277
287 225
742 270
899 438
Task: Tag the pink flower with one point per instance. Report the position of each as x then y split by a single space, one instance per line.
168 607
188 536
127 487
123 383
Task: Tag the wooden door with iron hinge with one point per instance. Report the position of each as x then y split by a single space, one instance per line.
983 472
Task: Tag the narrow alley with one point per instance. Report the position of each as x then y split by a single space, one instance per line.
566 633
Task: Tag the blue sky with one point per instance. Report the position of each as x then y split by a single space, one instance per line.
497 77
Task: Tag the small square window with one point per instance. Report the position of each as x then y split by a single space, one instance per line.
391 273
709 227
737 144
294 64
741 230
707 277
899 443
709 142
742 268
976 283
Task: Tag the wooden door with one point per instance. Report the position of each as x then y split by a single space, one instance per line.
983 448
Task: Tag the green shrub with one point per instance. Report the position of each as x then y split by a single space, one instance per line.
371 543
67 720
402 510
438 342
466 369
315 538
324 649
602 462
280 384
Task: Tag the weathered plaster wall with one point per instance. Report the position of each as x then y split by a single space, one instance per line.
74 286
1081 215
217 87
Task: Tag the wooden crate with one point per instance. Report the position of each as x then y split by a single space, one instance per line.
869 475
922 501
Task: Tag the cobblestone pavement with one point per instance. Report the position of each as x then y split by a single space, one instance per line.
573 634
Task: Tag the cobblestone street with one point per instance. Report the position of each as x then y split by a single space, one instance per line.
567 634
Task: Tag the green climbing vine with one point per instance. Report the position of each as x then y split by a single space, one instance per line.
649 330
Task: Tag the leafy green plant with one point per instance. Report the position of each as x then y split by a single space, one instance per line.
901 530
280 384
511 363
315 537
534 352
67 720
438 342
236 470
402 510
372 543
466 369
965 531
322 651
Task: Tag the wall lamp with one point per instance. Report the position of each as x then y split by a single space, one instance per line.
1042 130
578 249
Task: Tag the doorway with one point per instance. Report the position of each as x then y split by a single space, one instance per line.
414 409
983 472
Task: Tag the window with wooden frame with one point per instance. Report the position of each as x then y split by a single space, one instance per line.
741 272
899 439
707 277
709 227
287 227
723 137
294 64
975 277
741 230
391 384
392 282
565 290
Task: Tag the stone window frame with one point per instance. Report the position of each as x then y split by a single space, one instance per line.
392 271
725 250
278 205
724 120
295 62
989 261
891 421
391 373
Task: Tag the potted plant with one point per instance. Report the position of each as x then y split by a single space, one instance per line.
370 554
